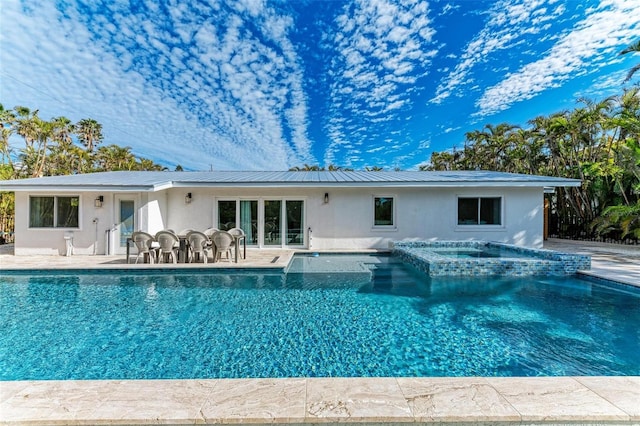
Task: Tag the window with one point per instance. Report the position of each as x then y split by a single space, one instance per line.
226 215
479 211
383 211
295 222
53 212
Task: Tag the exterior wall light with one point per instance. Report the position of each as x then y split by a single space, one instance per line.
98 201
326 198
187 198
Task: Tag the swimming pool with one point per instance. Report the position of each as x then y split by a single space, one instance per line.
329 316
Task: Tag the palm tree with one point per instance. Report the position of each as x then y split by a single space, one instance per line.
633 47
305 168
147 164
89 132
61 154
625 219
27 124
113 157
7 119
36 133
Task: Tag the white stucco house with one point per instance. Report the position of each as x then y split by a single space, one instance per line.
306 210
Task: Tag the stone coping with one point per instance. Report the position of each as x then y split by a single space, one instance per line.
473 400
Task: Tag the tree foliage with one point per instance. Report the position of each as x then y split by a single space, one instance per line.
60 147
632 48
597 142
316 168
57 147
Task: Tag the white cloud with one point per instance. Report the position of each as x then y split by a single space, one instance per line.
507 23
592 42
211 93
382 48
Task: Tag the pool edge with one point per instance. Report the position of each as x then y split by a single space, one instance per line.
468 400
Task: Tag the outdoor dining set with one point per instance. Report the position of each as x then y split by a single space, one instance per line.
188 246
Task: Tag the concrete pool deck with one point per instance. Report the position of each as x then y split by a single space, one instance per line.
473 400
609 261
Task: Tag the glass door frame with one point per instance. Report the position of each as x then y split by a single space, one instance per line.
238 214
260 243
116 247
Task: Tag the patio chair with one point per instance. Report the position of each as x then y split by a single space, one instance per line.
238 235
169 245
209 231
144 243
199 246
222 241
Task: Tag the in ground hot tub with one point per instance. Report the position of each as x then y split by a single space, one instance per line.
481 258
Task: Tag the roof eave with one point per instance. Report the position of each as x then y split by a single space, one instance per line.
442 184
161 186
77 188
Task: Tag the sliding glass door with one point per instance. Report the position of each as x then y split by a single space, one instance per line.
267 223
294 230
247 210
249 220
272 222
226 214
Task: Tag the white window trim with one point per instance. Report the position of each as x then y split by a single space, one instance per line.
481 227
393 227
55 213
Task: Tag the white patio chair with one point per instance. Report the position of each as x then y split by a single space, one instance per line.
199 246
238 236
169 245
209 231
222 241
144 243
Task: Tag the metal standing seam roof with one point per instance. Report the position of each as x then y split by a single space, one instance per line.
155 181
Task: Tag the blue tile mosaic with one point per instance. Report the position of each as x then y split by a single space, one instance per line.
480 258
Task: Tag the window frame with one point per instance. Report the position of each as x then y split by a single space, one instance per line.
394 209
477 225
56 207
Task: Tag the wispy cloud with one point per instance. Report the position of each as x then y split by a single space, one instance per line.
507 24
593 42
223 78
382 48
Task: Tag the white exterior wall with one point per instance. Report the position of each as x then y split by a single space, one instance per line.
423 214
345 222
88 237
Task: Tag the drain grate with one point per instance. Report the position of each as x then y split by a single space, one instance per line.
275 259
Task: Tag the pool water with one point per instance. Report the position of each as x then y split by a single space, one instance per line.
329 316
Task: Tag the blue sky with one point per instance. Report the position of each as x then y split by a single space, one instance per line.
267 85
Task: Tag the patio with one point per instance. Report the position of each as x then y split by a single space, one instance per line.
609 261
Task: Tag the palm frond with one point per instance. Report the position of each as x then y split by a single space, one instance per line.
633 47
632 71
